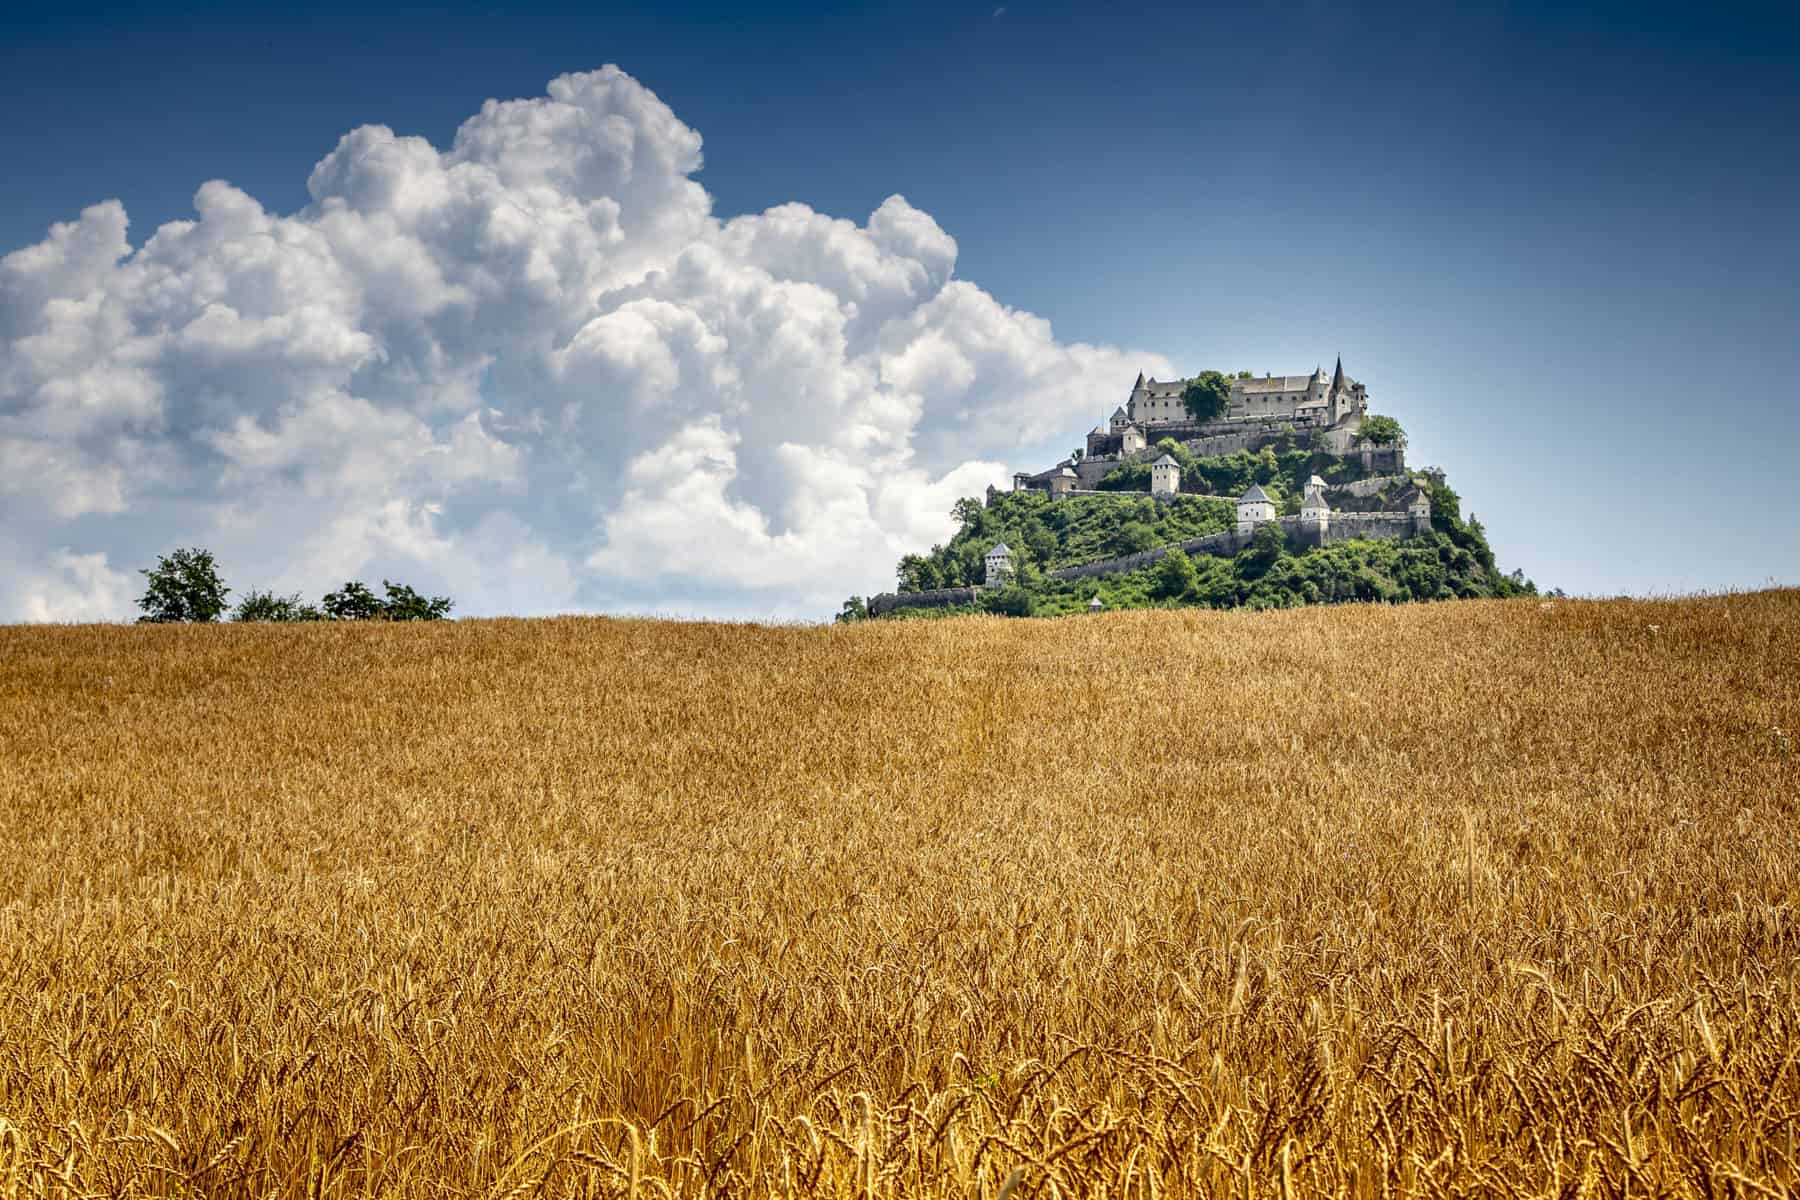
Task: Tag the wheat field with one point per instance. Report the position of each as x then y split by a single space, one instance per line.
1471 898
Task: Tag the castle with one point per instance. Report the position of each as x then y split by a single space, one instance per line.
1383 500
1258 412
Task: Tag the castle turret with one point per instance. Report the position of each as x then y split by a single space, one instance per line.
1253 508
998 562
1315 513
1132 439
1418 507
1063 482
1165 476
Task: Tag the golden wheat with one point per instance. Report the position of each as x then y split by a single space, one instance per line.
1473 898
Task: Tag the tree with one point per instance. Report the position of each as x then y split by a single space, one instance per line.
969 514
1267 545
184 586
1381 431
352 602
1206 396
267 606
1132 537
404 604
855 609
1175 575
918 574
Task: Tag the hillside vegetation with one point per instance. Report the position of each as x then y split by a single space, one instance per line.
1452 561
1484 898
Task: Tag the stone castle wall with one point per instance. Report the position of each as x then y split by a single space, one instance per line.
940 598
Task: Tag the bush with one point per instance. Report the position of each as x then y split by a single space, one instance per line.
184 587
267 606
1175 576
1133 537
1008 602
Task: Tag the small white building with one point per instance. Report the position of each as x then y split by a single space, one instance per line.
1063 482
1254 507
1132 440
999 564
1165 476
1096 604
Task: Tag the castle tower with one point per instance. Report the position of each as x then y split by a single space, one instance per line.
1121 418
1254 507
999 565
1132 439
1063 482
1165 476
1315 513
1418 507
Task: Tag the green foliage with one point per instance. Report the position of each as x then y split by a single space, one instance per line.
404 604
855 609
1012 601
1133 537
183 587
352 602
1206 396
1381 431
267 606
1045 534
1175 576
1453 560
355 602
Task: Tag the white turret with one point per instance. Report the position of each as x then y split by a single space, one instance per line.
999 565
1165 476
1254 507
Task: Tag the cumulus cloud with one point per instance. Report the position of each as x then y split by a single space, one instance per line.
534 370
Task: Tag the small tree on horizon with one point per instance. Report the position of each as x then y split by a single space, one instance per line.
184 587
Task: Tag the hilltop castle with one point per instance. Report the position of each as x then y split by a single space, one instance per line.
1372 495
1329 409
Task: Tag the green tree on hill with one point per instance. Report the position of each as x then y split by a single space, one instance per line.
1381 431
1206 396
184 587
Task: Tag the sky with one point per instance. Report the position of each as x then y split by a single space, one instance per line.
711 310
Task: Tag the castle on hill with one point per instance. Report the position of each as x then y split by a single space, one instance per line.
1374 496
1259 412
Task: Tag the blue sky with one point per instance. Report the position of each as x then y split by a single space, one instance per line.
1557 242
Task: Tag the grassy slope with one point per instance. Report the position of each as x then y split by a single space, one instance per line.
1423 897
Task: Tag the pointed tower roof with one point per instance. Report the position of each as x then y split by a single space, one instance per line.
1337 376
1139 383
1254 494
1165 459
1120 412
1000 548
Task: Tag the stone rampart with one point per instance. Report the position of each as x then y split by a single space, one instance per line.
941 598
1369 486
1346 527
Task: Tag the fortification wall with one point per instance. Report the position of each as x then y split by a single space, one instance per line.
1369 486
1345 527
941 598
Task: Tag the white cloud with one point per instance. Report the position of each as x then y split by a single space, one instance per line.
533 370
